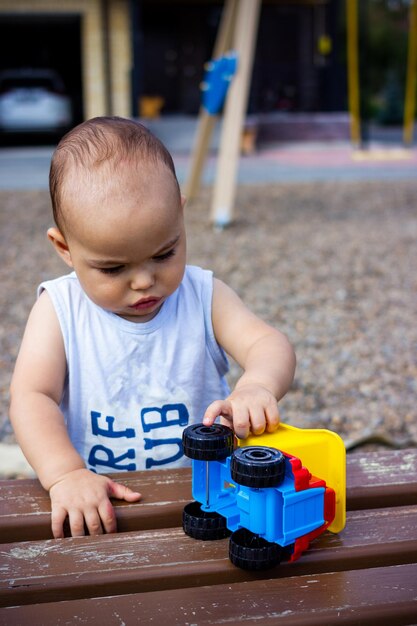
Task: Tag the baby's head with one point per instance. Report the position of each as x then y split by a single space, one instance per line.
119 215
100 151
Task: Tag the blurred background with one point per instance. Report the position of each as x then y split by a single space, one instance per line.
146 58
323 237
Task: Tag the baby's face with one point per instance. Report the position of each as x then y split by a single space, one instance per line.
127 244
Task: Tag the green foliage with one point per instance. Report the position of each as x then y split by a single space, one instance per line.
386 41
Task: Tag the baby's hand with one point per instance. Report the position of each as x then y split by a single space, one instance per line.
250 408
84 497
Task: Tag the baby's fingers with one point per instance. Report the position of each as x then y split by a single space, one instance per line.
76 522
58 517
257 420
216 408
241 422
121 492
108 517
272 417
93 522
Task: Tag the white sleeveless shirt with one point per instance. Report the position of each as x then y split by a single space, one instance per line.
131 388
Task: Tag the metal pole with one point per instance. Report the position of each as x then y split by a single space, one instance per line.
106 57
410 90
137 55
353 70
207 483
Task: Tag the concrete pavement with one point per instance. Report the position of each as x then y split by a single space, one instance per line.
297 161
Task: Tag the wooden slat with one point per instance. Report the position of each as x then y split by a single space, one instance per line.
25 510
381 478
369 596
45 571
374 479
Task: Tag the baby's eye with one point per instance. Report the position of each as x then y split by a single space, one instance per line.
163 257
111 270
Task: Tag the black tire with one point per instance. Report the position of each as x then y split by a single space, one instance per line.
202 524
251 552
208 443
258 466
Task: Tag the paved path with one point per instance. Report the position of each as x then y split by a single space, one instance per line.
27 168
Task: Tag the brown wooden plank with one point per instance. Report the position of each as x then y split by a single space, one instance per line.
44 571
367 597
25 510
381 478
374 479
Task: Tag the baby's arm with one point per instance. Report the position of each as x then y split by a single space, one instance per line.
267 358
39 425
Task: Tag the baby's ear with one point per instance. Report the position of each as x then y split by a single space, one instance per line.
60 244
183 201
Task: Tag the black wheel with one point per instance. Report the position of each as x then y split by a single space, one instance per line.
202 524
258 466
251 552
208 443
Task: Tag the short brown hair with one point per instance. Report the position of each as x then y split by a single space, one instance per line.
96 141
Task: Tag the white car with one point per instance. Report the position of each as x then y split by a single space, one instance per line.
33 100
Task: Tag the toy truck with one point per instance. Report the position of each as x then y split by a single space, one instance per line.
272 494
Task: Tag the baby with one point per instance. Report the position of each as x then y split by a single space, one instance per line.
124 352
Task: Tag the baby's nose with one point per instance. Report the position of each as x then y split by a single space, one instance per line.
142 279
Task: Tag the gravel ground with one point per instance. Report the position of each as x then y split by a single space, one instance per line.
331 264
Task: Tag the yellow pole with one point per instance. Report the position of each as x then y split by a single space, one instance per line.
353 70
410 90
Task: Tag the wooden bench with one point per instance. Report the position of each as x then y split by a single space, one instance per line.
151 571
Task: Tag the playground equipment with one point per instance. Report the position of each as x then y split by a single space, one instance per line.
237 36
219 74
275 493
352 21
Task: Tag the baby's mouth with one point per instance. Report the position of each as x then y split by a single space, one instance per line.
145 303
